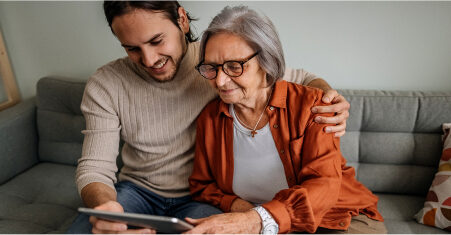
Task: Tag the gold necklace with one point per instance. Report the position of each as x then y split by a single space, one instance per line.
253 130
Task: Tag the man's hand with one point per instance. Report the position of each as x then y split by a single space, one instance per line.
340 106
104 226
240 222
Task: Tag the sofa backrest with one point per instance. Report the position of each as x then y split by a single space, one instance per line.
18 139
59 119
393 138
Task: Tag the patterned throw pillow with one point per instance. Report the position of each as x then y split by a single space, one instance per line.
437 208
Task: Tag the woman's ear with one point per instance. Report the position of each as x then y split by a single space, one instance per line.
183 20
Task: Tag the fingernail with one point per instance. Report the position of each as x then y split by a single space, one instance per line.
317 119
328 129
147 231
314 110
123 227
326 100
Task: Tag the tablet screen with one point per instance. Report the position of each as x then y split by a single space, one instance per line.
159 223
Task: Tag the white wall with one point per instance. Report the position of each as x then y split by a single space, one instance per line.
358 45
70 39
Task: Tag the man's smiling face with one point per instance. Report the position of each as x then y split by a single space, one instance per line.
153 41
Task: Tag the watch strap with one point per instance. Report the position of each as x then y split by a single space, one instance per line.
269 225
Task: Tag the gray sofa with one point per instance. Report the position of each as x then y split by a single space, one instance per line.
393 141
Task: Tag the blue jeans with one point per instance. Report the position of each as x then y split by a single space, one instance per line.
136 199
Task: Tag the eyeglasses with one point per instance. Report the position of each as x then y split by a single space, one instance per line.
231 68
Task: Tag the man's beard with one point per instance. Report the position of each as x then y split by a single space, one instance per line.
173 73
177 62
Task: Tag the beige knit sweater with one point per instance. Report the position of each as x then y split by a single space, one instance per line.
155 120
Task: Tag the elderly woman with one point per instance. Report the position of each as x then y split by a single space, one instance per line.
259 154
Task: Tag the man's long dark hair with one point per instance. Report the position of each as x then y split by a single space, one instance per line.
170 8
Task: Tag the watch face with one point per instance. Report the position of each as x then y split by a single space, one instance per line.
271 229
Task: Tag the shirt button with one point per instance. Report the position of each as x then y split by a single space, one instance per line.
271 108
342 224
282 151
276 126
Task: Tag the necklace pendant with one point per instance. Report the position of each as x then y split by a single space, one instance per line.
253 133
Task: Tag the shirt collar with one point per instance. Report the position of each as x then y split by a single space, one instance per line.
279 95
278 99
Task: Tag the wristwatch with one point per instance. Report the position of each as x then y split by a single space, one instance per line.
269 225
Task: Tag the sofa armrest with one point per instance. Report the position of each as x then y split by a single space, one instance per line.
18 139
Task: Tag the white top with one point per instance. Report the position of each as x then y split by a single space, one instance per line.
258 171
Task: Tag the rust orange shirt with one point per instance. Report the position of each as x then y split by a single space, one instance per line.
322 190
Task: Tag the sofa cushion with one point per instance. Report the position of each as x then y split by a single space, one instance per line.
399 179
393 138
437 208
410 227
397 111
18 139
60 120
398 211
43 199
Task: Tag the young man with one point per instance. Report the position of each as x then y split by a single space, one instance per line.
151 100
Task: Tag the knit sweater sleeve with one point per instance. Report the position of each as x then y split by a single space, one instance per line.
102 133
302 207
298 76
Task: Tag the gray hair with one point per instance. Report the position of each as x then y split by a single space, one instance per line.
256 30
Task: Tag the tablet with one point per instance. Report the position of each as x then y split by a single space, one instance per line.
159 223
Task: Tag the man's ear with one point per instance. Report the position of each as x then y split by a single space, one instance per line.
183 20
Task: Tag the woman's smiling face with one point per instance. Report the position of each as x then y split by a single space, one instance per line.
224 47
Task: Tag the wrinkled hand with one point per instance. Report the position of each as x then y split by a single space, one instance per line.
105 226
340 106
240 205
239 222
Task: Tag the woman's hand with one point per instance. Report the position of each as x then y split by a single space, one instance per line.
239 222
104 226
340 106
240 205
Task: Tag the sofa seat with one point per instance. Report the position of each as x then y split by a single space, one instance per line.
43 199
398 211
